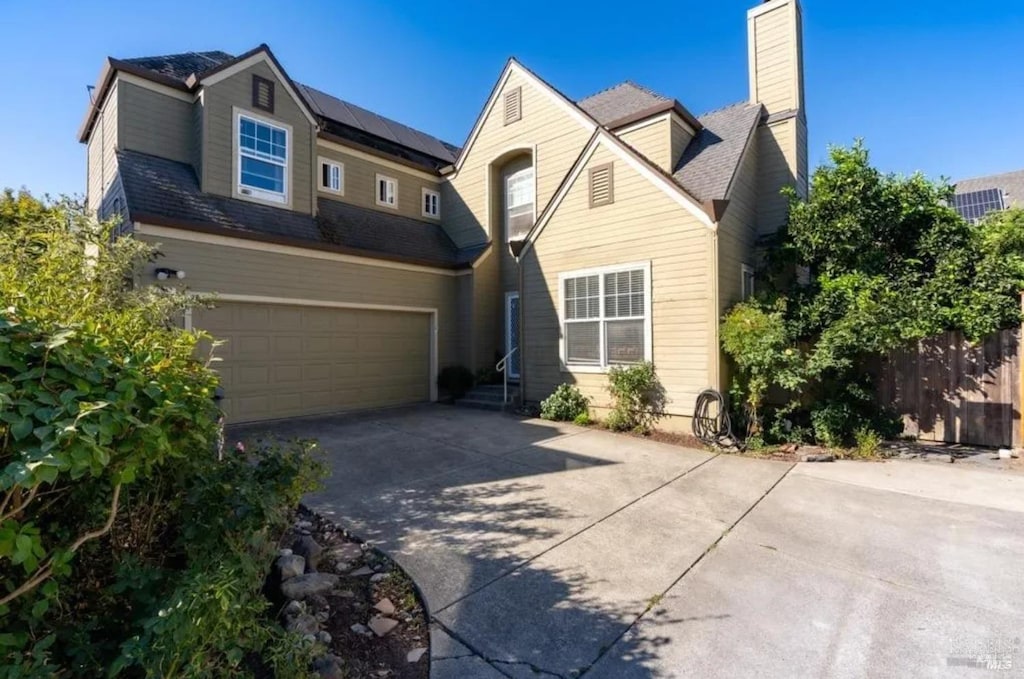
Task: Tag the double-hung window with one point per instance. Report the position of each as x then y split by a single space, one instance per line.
387 191
332 176
431 203
606 317
262 159
519 197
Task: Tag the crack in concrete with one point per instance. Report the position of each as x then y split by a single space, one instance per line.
604 650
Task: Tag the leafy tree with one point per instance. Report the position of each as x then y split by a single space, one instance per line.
868 263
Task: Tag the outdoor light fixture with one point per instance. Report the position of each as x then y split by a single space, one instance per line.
163 274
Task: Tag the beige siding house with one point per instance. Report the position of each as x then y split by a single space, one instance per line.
352 257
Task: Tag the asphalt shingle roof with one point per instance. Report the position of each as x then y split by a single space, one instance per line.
180 66
168 190
1011 184
707 165
620 101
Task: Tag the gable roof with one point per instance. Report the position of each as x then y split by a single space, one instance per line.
629 102
185 71
710 160
166 193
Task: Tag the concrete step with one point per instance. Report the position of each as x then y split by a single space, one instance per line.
496 396
494 388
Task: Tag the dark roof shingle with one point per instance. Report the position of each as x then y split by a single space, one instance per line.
710 160
1010 183
168 191
181 66
621 101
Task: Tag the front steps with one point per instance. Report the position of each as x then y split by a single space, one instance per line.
489 397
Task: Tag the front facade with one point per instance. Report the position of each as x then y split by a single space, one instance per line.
353 257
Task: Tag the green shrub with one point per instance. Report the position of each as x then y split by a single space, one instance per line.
867 441
832 423
565 404
583 419
638 398
457 380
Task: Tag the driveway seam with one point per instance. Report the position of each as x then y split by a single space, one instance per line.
686 572
580 532
492 662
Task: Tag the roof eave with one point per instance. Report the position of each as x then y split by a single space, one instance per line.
663 107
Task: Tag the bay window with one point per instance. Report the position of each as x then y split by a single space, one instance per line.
606 318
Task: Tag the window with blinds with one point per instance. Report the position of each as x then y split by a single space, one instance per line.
513 105
602 185
604 316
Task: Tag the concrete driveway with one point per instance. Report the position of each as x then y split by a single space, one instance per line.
544 549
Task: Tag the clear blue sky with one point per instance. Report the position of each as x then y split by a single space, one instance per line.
933 86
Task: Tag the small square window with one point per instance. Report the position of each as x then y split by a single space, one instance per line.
387 191
332 176
431 203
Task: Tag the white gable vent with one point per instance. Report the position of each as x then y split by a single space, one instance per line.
513 105
602 185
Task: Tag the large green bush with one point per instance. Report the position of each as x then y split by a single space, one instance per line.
638 398
119 526
565 404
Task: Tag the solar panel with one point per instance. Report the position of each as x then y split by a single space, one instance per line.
973 205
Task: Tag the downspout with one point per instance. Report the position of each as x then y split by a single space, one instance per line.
516 249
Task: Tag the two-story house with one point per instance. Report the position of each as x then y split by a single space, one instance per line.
352 256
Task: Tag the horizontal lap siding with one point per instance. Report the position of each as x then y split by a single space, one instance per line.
642 225
681 138
155 123
737 232
777 163
227 270
361 184
559 138
654 142
774 55
219 134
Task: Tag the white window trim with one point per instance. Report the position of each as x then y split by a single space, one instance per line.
260 195
600 272
321 161
376 191
423 210
504 198
744 270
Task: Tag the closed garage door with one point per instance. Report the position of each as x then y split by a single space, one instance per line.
283 361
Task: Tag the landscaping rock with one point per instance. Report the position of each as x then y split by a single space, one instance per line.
284 552
361 629
385 607
345 593
323 637
329 667
381 625
310 550
292 609
362 571
309 584
303 624
349 551
290 565
415 654
377 577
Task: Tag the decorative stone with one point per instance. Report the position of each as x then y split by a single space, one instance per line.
303 586
309 638
303 524
303 624
415 654
292 609
290 565
329 667
361 629
385 607
309 549
345 593
362 571
284 552
381 625
349 551
323 637
377 577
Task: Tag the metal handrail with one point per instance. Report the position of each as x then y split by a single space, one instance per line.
500 367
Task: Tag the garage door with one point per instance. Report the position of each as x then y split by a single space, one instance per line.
283 361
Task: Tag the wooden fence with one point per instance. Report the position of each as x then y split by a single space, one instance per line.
948 390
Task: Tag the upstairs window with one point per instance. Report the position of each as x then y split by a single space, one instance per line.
387 191
606 316
332 176
262 159
747 273
519 197
431 203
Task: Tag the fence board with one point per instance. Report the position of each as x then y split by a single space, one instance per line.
945 389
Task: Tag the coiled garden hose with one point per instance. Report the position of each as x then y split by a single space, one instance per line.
711 423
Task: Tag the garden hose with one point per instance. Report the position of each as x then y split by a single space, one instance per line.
711 423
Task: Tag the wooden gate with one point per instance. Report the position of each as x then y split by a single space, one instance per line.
949 390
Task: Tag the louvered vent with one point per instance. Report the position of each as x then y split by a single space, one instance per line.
513 105
602 185
262 94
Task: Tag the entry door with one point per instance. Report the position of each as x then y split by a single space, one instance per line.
512 332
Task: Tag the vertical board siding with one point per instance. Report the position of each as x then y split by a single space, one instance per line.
155 123
946 389
642 225
653 141
219 135
360 183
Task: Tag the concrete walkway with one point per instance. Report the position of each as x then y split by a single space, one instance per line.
545 549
